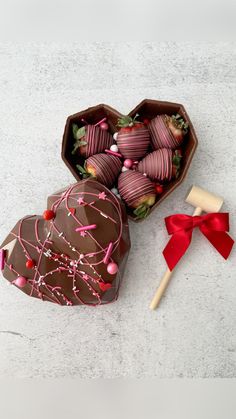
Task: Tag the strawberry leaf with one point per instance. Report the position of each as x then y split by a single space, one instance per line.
80 133
81 169
74 130
81 143
124 121
179 122
142 211
77 145
176 161
86 175
83 172
127 121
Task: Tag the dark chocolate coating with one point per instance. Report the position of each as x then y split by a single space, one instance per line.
61 275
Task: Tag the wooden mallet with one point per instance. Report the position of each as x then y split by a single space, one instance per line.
202 201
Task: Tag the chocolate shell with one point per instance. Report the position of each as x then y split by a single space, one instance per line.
133 186
157 165
71 252
134 144
106 166
161 135
96 141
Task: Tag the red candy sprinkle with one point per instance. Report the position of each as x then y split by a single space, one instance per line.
159 189
104 287
48 215
72 211
29 264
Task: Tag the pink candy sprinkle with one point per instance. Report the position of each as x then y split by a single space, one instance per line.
100 122
113 153
108 253
85 228
104 126
112 268
128 163
21 281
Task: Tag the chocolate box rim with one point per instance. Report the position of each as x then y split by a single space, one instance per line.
185 168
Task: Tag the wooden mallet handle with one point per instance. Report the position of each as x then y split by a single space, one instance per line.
166 278
202 200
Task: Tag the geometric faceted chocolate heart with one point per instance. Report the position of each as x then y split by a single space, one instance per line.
147 109
76 257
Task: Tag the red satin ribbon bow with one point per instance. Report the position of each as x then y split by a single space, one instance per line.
213 226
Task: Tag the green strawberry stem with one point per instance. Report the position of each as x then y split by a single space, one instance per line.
142 211
83 172
78 134
180 123
127 121
176 161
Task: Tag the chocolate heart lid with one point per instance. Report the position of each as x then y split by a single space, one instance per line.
75 253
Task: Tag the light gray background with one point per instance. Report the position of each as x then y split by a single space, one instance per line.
192 334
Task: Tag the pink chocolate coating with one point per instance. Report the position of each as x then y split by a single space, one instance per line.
134 144
161 135
133 185
97 140
157 165
107 167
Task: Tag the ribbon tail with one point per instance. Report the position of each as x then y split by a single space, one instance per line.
222 241
176 247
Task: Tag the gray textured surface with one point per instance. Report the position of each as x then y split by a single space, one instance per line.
193 332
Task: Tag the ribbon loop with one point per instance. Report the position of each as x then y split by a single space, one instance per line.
180 226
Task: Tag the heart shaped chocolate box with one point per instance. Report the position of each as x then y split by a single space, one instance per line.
156 139
74 253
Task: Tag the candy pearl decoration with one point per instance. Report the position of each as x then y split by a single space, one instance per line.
112 268
115 191
114 148
104 126
124 169
115 135
128 163
21 281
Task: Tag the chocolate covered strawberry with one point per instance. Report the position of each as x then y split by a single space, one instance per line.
167 131
133 138
162 164
91 139
137 191
104 167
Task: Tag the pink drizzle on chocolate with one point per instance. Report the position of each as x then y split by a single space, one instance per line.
134 144
67 272
97 140
133 185
161 135
157 165
107 167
